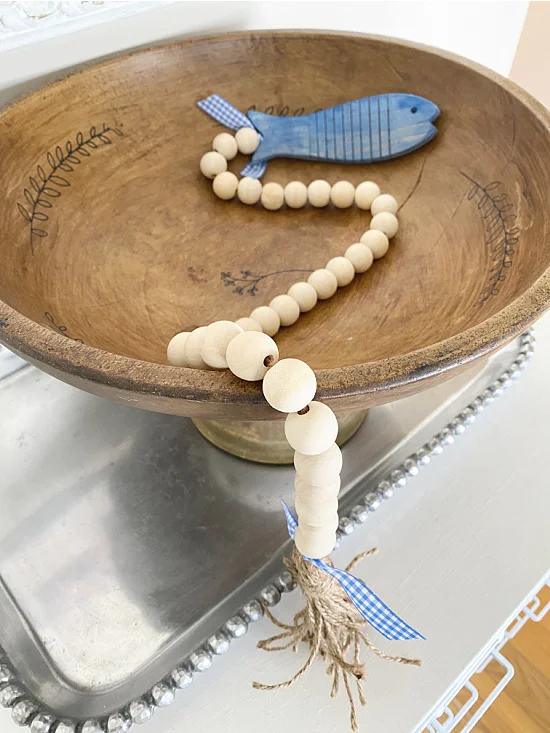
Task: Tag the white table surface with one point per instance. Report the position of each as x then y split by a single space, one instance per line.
461 548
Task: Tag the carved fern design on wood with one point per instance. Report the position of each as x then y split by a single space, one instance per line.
48 183
501 234
280 110
247 282
62 329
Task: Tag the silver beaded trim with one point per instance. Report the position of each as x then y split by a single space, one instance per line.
26 711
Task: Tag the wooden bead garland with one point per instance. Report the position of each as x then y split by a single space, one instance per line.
342 269
246 346
311 493
342 194
225 185
289 385
384 202
250 354
325 283
267 318
249 324
176 349
315 541
319 514
273 196
360 255
305 295
217 338
295 194
320 468
377 242
286 308
226 145
365 193
312 429
249 190
318 193
385 222
192 349
212 164
247 140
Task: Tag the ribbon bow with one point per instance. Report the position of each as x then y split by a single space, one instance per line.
224 113
371 608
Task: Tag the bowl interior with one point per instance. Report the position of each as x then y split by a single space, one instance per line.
128 245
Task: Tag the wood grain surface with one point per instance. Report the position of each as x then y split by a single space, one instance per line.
112 241
524 704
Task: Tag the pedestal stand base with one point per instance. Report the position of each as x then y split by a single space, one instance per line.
263 441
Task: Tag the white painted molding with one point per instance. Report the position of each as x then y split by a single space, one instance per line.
22 23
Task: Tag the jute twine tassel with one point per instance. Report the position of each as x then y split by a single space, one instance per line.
332 627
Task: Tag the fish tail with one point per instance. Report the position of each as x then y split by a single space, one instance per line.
277 135
269 128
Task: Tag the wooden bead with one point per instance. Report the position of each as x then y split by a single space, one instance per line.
313 431
249 190
342 269
273 196
318 193
384 202
365 193
325 283
176 349
305 295
315 544
321 514
319 469
212 164
250 354
249 324
267 318
360 256
193 347
226 145
247 140
290 385
225 185
311 493
295 194
377 242
385 222
286 308
217 337
342 194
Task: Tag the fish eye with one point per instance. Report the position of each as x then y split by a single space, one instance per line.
414 110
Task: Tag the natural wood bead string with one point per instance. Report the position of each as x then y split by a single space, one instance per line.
320 468
226 145
247 348
217 337
250 354
305 295
286 308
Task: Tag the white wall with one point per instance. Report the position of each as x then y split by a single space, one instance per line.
487 32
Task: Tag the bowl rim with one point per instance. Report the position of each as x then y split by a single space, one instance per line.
346 384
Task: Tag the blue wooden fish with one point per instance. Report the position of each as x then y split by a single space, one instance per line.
364 131
367 130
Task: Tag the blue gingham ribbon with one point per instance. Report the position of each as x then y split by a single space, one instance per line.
371 608
224 113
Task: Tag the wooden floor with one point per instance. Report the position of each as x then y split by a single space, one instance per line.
524 705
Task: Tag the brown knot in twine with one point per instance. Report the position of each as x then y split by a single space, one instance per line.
332 627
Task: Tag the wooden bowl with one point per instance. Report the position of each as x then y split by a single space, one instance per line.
131 246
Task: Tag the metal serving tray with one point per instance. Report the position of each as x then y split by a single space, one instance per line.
126 539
